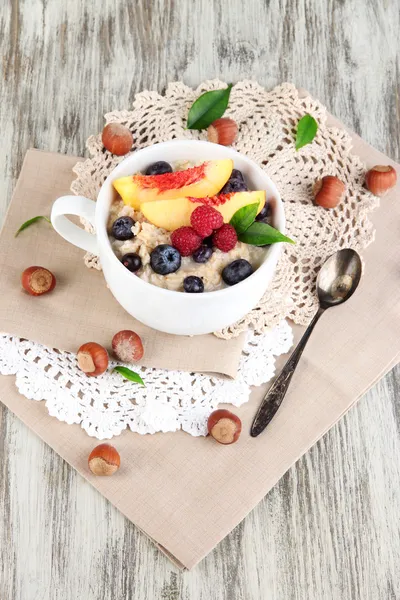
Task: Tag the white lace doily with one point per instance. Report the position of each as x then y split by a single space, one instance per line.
104 406
267 123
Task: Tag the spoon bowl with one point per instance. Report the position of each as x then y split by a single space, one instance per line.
338 278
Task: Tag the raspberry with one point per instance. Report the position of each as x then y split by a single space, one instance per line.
205 219
225 238
186 240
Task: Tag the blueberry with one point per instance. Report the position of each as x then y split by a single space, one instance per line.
208 241
122 228
202 254
236 174
235 183
158 168
165 259
233 186
132 261
193 285
237 271
264 213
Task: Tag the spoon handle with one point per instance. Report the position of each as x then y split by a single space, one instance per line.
273 398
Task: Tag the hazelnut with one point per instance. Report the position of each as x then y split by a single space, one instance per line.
380 179
92 359
117 139
223 131
224 426
104 460
127 346
328 191
37 281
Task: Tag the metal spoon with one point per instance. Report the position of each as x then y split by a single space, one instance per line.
336 282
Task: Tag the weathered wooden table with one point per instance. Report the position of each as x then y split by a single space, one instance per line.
330 528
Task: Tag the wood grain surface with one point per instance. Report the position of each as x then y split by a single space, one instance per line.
330 529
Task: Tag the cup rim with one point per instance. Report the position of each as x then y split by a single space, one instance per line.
271 254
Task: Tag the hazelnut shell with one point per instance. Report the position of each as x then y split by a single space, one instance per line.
222 131
104 460
37 281
117 139
328 191
380 179
127 346
92 359
224 426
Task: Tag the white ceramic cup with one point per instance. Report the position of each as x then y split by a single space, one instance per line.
169 311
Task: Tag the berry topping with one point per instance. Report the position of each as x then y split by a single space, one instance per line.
237 271
208 241
225 238
264 213
235 183
158 168
236 174
122 228
165 259
205 219
202 254
193 285
132 261
186 240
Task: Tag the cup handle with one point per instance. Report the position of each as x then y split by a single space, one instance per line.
81 207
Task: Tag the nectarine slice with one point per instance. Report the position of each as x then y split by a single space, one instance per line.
204 180
175 213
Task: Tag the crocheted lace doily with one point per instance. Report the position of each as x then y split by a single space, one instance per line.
104 406
267 123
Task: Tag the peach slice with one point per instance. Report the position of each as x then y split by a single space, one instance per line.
172 214
204 180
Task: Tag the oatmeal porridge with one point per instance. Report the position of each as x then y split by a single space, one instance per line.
180 228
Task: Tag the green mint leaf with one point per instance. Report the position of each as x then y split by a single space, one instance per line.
307 129
208 107
261 234
30 222
244 217
128 374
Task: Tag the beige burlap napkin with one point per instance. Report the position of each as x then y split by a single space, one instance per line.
187 493
81 308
